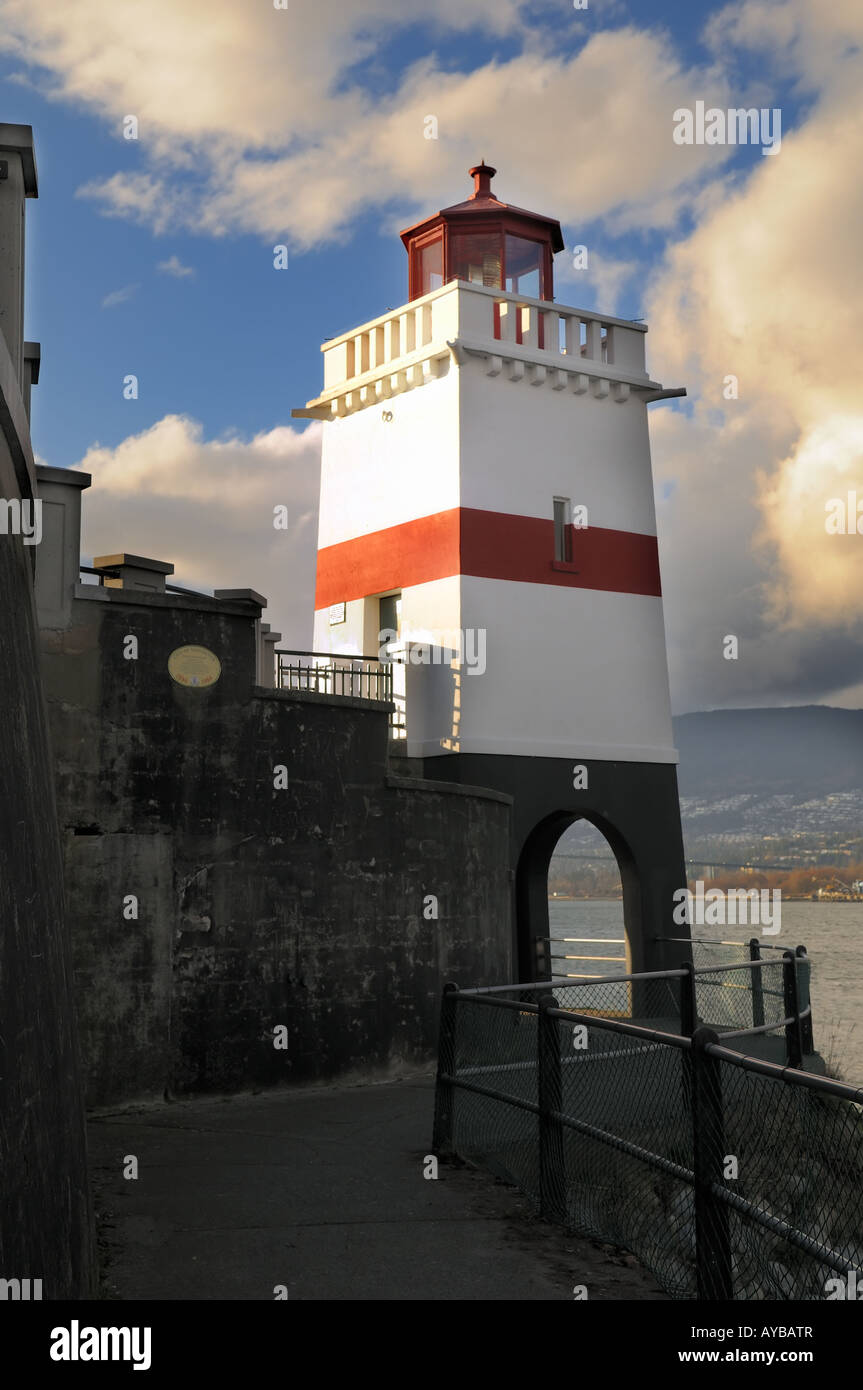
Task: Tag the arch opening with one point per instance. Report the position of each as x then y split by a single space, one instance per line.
543 921
586 922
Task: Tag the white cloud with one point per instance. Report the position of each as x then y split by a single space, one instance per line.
600 285
119 296
768 288
174 266
253 120
207 507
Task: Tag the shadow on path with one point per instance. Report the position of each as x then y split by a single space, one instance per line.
322 1190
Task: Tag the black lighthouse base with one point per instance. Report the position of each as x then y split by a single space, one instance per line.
634 805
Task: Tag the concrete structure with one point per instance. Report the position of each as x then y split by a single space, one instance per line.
45 1211
487 516
210 904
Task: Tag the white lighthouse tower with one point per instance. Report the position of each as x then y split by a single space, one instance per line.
487 516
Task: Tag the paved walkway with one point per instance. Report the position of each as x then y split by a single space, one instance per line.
322 1190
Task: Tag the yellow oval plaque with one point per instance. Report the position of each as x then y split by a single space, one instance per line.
195 667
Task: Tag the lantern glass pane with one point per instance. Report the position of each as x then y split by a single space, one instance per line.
475 256
431 266
524 267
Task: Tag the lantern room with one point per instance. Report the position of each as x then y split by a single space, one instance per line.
485 242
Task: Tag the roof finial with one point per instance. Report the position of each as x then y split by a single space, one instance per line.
482 175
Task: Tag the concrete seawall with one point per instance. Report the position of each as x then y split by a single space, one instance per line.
209 907
45 1210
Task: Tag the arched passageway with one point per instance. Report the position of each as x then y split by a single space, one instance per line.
634 806
586 921
538 955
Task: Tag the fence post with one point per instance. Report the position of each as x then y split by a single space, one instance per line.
713 1272
806 1033
793 1030
688 1001
757 985
552 1177
443 1099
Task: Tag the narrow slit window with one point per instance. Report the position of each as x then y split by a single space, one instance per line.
563 530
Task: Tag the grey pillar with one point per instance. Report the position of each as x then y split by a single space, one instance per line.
133 572
58 555
269 641
17 182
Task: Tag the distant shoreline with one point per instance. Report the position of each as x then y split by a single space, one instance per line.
786 898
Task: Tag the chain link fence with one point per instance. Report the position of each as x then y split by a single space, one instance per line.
727 1176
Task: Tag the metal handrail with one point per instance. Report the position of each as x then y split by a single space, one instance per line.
594 979
701 1050
711 941
732 965
554 957
768 1027
103 573
333 669
330 656
586 940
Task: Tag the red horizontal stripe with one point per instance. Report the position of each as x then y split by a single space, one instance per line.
486 545
413 553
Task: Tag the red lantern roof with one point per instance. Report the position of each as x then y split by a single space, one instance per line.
484 241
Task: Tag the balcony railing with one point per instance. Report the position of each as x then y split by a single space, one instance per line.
548 342
329 673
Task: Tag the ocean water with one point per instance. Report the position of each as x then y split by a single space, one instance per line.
831 932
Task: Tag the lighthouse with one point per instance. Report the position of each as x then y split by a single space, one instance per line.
487 524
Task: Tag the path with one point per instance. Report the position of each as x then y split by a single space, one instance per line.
322 1190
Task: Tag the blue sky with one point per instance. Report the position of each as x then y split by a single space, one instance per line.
305 127
235 344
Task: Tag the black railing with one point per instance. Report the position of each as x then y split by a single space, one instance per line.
329 673
739 998
561 961
728 1176
102 574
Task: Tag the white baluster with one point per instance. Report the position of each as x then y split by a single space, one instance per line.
529 325
392 330
592 347
508 311
551 331
409 332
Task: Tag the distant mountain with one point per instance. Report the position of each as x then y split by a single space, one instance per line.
809 751
769 783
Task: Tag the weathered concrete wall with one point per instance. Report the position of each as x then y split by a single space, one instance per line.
45 1215
257 906
45 1209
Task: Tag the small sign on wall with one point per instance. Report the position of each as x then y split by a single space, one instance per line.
195 667
336 614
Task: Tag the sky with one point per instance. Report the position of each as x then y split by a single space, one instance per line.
306 126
